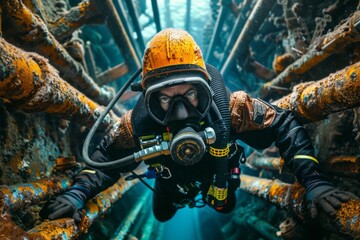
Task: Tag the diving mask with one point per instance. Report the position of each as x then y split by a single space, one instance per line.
178 107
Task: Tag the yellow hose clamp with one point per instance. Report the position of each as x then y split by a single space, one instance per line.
218 193
219 152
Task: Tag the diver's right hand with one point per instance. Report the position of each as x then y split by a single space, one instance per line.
68 204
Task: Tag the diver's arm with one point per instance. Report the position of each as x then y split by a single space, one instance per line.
260 124
264 124
118 143
90 181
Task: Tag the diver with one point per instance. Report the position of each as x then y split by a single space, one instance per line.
186 111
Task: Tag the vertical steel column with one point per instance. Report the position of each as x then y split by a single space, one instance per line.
252 25
89 60
119 33
156 15
224 11
134 19
188 15
120 7
239 24
124 228
168 20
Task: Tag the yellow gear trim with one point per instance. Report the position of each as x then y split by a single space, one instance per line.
89 171
218 193
306 157
219 152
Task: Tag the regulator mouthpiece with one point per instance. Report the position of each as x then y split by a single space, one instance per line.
188 146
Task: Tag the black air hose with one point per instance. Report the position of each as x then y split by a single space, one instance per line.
222 123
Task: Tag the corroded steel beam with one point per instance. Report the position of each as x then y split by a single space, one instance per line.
35 36
9 230
65 228
118 32
223 13
84 13
29 83
156 15
313 101
135 21
344 165
112 74
331 43
258 14
21 195
291 196
257 224
259 70
131 218
238 25
270 163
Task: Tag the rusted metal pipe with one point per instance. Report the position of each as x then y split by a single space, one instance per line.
89 60
291 197
131 218
313 101
29 83
123 15
331 43
298 32
134 18
270 163
249 220
112 74
223 13
259 70
34 36
258 14
118 32
156 15
188 15
65 228
84 13
239 24
344 166
25 194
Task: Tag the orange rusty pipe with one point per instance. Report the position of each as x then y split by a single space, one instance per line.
291 197
29 83
331 43
34 36
96 207
21 195
112 74
344 166
84 13
313 101
270 163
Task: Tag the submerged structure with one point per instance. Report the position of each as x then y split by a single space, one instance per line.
62 61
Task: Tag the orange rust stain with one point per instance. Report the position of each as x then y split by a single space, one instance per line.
21 82
349 218
281 62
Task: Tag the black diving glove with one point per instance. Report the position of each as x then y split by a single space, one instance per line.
320 193
68 204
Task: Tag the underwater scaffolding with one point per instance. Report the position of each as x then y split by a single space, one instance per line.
332 43
314 101
292 198
22 195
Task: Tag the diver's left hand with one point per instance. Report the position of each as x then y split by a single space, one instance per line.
326 197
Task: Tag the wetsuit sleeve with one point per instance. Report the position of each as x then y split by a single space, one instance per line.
116 144
260 124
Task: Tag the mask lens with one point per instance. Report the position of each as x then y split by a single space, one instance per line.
197 99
